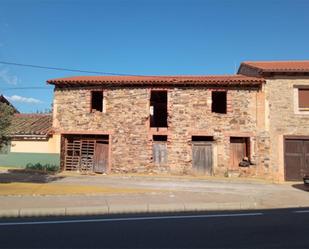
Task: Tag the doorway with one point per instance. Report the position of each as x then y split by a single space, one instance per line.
202 161
85 153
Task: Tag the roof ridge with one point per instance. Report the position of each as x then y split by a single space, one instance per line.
175 79
278 61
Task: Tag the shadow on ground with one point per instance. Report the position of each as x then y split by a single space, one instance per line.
301 187
22 175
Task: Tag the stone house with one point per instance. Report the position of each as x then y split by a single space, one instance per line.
183 124
287 114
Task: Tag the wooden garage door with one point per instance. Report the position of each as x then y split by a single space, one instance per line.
202 157
85 153
296 157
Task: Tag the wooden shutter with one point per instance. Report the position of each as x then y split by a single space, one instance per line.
303 98
159 152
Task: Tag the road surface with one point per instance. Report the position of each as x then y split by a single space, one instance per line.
288 228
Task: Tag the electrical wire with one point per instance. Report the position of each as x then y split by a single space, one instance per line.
65 69
26 88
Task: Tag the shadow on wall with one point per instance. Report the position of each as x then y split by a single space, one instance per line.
30 176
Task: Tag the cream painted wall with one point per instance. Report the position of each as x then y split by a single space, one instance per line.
50 146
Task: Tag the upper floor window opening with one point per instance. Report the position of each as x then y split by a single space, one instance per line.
158 109
303 99
97 101
219 102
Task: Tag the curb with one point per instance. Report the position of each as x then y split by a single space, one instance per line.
125 209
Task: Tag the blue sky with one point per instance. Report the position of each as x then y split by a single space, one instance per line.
147 37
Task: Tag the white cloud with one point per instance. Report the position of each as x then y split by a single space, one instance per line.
20 99
7 77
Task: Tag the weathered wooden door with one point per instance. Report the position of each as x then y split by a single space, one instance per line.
101 157
159 153
202 157
238 151
296 157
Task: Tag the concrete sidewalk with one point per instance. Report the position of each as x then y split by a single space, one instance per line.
86 195
172 201
156 202
90 205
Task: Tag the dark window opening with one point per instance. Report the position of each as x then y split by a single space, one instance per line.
219 102
158 109
202 138
97 101
159 138
303 99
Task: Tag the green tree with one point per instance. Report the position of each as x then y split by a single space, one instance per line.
6 114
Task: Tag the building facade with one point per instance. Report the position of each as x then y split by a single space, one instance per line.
183 125
246 124
287 111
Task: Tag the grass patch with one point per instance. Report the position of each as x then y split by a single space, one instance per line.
43 167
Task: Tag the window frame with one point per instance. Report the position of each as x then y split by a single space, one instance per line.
302 108
297 109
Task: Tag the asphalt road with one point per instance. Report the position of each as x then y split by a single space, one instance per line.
287 228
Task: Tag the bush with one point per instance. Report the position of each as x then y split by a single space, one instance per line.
42 167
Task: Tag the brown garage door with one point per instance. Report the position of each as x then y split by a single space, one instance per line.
296 157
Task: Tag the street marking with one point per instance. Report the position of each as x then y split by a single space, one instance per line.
301 211
128 219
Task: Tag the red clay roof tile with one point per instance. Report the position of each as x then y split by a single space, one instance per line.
278 66
173 80
30 124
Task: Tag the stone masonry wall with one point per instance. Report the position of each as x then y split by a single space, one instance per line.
283 120
191 111
126 119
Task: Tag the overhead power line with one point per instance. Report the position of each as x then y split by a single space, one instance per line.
64 69
26 88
